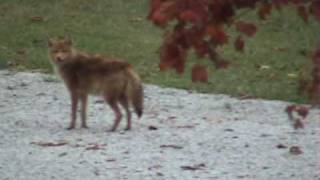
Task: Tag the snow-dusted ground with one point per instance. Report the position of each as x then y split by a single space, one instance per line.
182 135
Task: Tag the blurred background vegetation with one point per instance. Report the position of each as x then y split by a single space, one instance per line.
273 62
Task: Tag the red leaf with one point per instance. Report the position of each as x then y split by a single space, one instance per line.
265 10
302 12
239 44
181 35
246 28
161 12
189 15
201 48
199 73
217 34
172 55
221 11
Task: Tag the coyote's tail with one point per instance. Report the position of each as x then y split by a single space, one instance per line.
135 92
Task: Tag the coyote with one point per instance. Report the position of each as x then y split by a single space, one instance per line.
85 73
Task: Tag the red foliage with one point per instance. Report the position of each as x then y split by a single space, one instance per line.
199 73
162 12
201 24
172 54
217 35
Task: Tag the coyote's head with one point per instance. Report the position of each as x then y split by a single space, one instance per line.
60 50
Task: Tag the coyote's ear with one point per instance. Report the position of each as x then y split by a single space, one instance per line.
68 40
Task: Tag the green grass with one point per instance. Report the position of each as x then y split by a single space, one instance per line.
119 28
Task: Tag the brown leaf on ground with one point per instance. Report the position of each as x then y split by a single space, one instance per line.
281 146
171 146
185 126
194 167
50 144
295 150
95 146
152 128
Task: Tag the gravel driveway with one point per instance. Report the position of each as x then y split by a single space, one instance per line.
182 135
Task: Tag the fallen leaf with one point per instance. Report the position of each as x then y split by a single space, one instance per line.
171 117
95 146
111 160
281 146
155 167
159 174
194 167
97 172
229 130
295 150
171 146
63 154
50 144
152 128
186 126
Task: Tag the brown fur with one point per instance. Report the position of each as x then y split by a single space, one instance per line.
85 74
